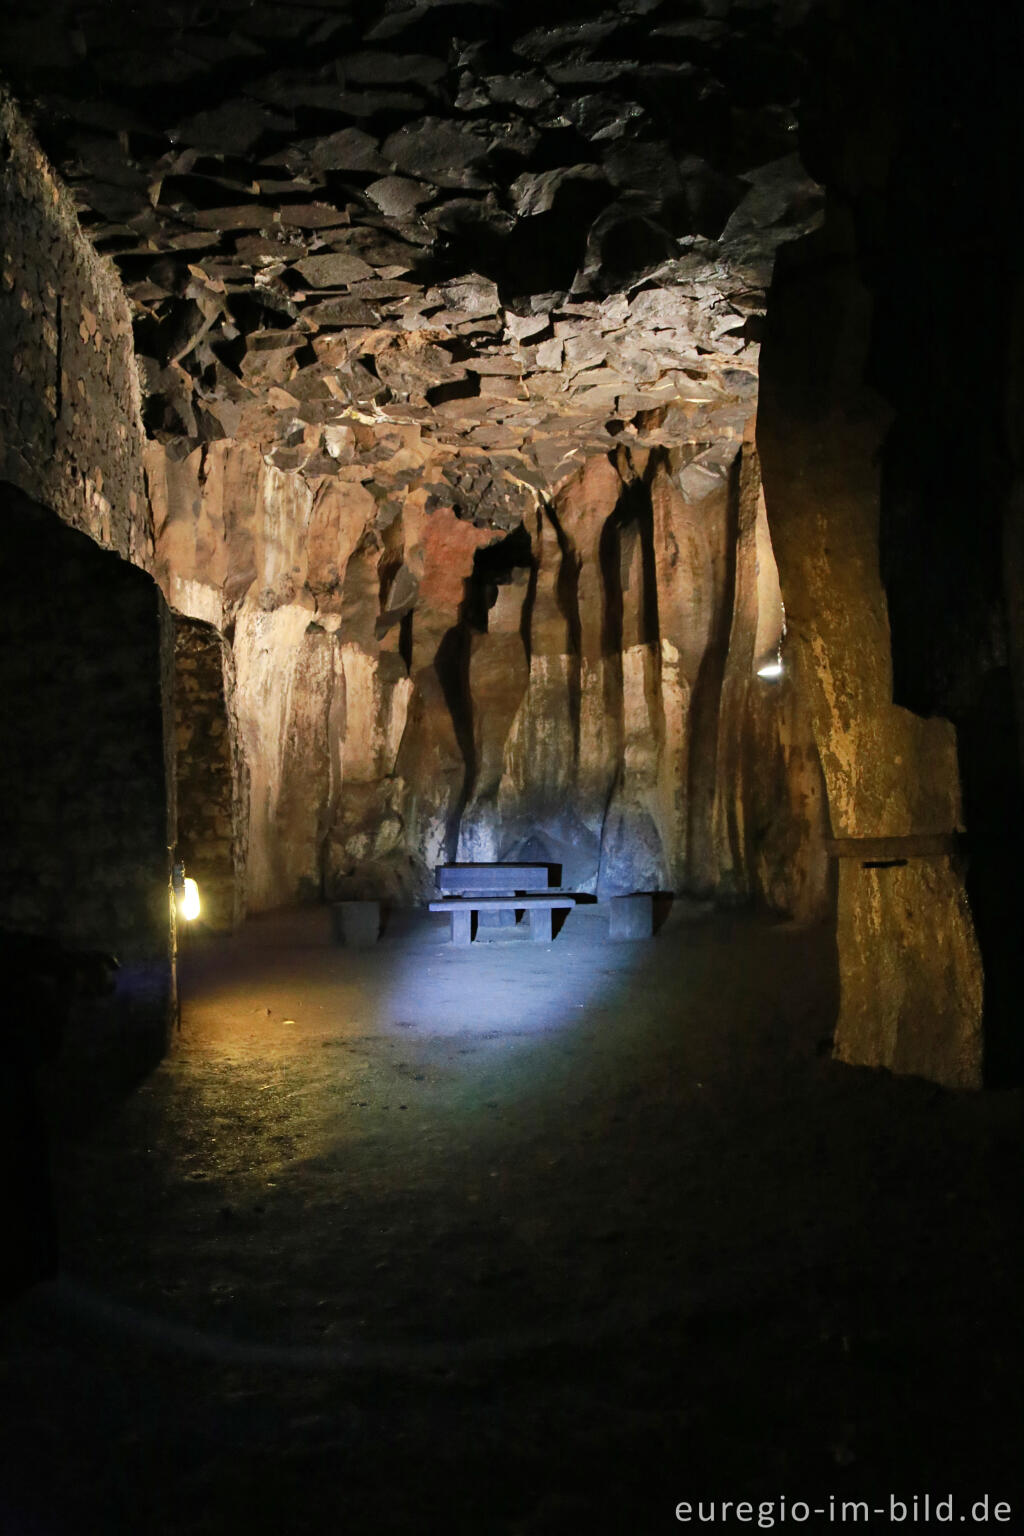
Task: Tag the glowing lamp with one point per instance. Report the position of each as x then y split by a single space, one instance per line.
190 900
771 668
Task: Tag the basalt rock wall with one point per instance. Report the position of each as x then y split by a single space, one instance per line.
212 778
70 415
581 689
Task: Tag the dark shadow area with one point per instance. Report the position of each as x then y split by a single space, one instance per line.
568 597
493 566
85 950
611 584
994 814
628 245
452 667
639 496
84 782
459 389
43 983
543 252
662 903
630 525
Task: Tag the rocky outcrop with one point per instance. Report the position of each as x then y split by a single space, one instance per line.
581 690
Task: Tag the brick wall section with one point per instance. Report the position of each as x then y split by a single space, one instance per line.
211 778
85 755
71 432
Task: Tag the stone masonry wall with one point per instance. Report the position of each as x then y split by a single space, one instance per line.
70 412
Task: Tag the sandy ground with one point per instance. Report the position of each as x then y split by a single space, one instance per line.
520 1239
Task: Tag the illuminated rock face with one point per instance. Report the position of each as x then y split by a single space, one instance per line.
910 971
581 690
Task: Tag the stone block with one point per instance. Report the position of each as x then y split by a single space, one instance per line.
356 924
462 927
541 928
632 917
502 919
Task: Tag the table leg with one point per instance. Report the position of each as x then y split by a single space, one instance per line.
462 930
540 925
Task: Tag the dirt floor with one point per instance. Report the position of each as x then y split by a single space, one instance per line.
513 1240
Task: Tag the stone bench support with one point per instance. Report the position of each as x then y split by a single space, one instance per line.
539 909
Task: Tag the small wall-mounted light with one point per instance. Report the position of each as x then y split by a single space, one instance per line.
186 892
771 633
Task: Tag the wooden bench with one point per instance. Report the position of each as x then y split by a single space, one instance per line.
468 888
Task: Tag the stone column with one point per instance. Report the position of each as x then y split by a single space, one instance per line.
910 973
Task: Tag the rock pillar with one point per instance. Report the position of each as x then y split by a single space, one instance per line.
910 974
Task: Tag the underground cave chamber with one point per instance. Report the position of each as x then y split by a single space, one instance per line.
483 454
432 433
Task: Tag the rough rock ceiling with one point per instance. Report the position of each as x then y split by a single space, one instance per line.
431 240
